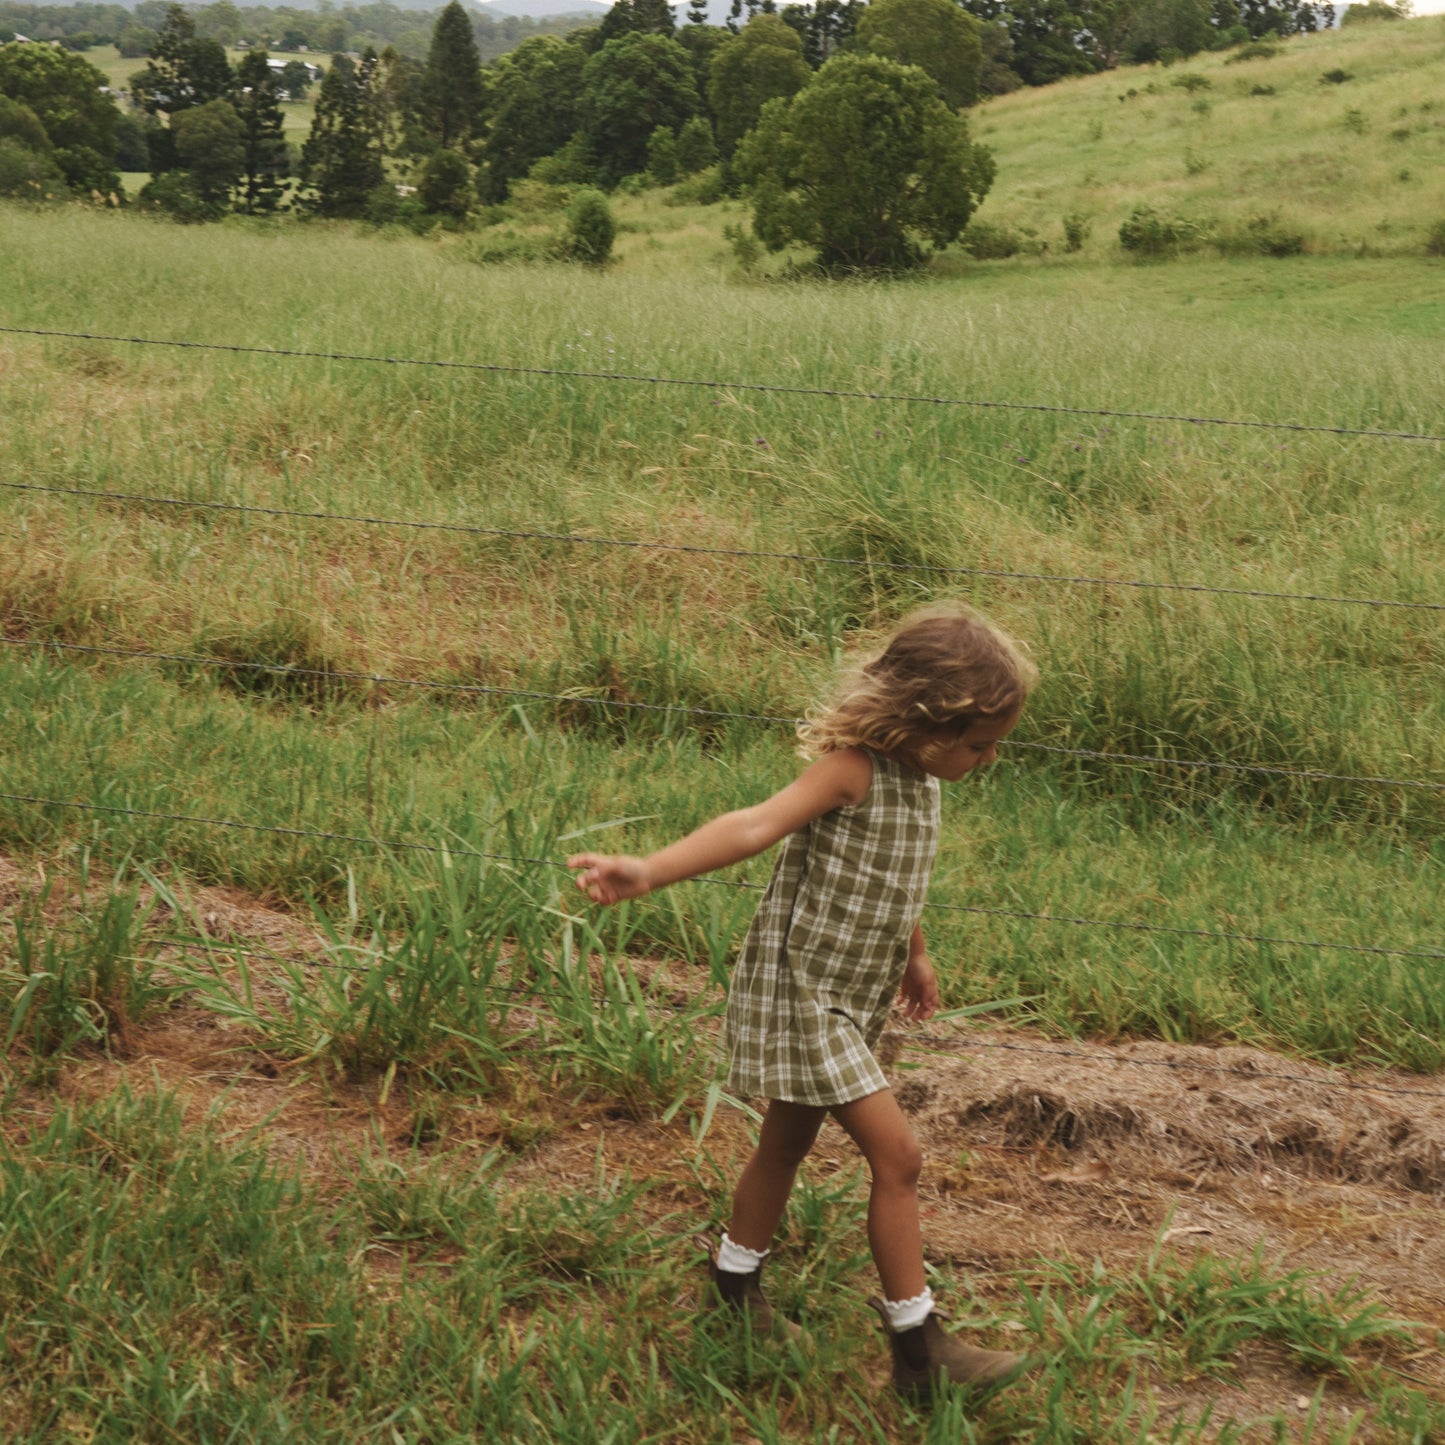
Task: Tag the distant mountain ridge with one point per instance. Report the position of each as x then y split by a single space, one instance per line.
538 9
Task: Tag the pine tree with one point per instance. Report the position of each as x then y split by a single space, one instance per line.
452 93
265 165
341 162
183 71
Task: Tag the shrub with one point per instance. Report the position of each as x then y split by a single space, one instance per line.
1255 50
1148 232
591 228
1261 90
28 175
535 197
991 241
706 188
1262 235
446 185
746 248
1435 239
1335 77
662 156
1194 163
175 195
696 148
386 206
1076 231
1190 81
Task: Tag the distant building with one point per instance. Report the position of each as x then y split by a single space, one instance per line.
314 71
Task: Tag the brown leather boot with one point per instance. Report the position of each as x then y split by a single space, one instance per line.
742 1294
926 1354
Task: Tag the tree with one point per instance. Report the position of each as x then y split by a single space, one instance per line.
132 152
865 164
632 86
662 156
1362 14
536 108
265 162
135 41
211 145
696 148
591 228
295 79
183 71
446 185
1284 17
63 90
762 62
220 22
825 27
341 162
1050 38
1155 27
452 85
636 17
936 35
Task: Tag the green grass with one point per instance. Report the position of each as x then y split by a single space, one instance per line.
173 1286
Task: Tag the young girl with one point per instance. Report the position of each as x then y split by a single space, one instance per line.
835 938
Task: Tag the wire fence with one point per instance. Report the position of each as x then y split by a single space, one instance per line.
501 368
284 670
523 860
643 544
912 1038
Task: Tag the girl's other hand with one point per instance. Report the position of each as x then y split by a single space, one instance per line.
918 992
609 878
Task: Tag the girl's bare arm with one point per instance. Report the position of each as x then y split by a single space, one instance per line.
836 780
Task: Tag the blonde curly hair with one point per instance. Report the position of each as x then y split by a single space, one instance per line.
944 668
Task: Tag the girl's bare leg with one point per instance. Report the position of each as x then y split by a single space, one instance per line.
881 1130
787 1135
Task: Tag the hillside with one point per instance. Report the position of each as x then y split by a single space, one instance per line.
1357 166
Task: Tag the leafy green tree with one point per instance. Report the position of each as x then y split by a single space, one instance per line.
452 86
1159 26
20 124
536 108
446 185
63 90
761 63
938 36
220 22
1284 17
265 162
1363 14
591 228
866 165
132 151
825 27
636 17
996 75
341 162
632 86
662 156
211 146
1050 38
295 79
696 149
702 42
27 174
184 69
135 41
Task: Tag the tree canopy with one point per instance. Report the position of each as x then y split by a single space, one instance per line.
632 86
452 94
536 107
763 62
865 164
938 36
63 92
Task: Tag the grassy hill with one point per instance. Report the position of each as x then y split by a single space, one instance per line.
330 1114
1357 166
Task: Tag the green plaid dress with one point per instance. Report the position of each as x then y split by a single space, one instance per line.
822 962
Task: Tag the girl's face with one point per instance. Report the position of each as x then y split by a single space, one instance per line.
975 747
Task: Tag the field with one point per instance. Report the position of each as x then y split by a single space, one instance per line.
366 1129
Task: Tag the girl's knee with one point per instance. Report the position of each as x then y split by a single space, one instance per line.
899 1164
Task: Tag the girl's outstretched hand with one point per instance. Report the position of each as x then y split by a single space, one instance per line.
918 992
609 878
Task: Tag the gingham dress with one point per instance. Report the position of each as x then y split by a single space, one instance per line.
822 962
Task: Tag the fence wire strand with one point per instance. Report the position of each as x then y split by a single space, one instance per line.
694 549
553 863
499 368
277 669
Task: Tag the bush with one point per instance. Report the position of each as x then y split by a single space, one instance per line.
1435 239
696 148
1076 231
175 195
446 185
662 156
1148 232
591 228
1335 77
746 248
1255 50
1261 90
706 188
28 175
132 151
1191 82
1263 235
386 206
991 241
536 197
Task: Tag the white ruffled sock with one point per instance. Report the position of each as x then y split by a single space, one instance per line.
738 1258
904 1314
